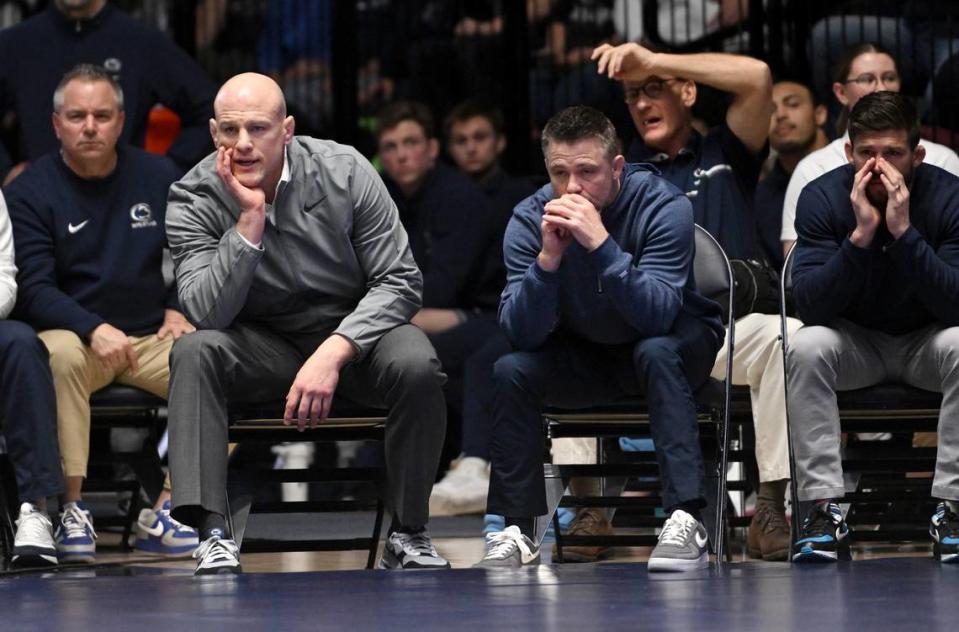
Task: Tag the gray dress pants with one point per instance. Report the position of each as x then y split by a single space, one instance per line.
823 360
246 363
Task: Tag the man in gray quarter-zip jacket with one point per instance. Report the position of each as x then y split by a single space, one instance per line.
292 262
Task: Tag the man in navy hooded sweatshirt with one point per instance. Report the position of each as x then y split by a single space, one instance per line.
599 303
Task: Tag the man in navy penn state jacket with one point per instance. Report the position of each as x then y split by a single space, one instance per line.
88 223
876 282
600 302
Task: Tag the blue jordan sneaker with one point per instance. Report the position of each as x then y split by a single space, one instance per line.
75 537
944 529
158 533
824 536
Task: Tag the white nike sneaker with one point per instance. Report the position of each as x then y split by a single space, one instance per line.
682 545
509 549
33 543
158 533
463 489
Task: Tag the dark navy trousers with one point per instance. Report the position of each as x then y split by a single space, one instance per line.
28 411
571 372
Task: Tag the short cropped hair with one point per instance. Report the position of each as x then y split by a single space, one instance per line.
89 73
884 111
393 114
576 123
473 108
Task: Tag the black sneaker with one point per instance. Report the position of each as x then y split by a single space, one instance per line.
216 556
944 529
823 537
411 551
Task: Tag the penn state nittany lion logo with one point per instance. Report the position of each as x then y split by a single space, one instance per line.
141 216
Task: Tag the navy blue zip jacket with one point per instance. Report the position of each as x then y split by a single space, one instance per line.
90 251
895 286
151 69
632 287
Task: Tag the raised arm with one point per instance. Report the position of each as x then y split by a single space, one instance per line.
746 78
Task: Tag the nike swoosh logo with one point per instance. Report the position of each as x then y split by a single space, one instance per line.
701 540
527 556
156 531
75 229
169 539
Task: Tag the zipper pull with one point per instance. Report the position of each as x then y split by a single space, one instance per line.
599 284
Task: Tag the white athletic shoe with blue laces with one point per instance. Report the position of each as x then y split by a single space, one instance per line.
75 537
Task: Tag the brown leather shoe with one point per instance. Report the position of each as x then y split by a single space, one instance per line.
588 521
768 535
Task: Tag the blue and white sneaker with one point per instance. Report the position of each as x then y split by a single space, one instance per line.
75 537
944 529
158 533
824 536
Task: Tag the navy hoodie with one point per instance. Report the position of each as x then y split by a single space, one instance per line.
895 286
633 286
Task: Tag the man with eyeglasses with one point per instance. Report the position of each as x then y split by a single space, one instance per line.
863 69
718 171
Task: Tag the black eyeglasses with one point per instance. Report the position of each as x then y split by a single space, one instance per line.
870 80
653 89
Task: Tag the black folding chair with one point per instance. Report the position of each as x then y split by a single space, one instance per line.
263 423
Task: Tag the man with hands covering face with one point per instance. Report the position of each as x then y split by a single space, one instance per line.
599 303
876 282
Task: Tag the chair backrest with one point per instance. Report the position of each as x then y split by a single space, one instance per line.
785 289
714 276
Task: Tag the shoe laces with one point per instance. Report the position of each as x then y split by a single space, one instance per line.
502 544
588 522
77 522
822 520
34 525
677 528
216 550
771 519
417 543
177 526
946 521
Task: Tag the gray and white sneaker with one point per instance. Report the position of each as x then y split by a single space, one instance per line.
411 551
509 549
682 545
216 556
33 544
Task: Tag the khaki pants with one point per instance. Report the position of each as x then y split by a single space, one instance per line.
758 364
77 373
